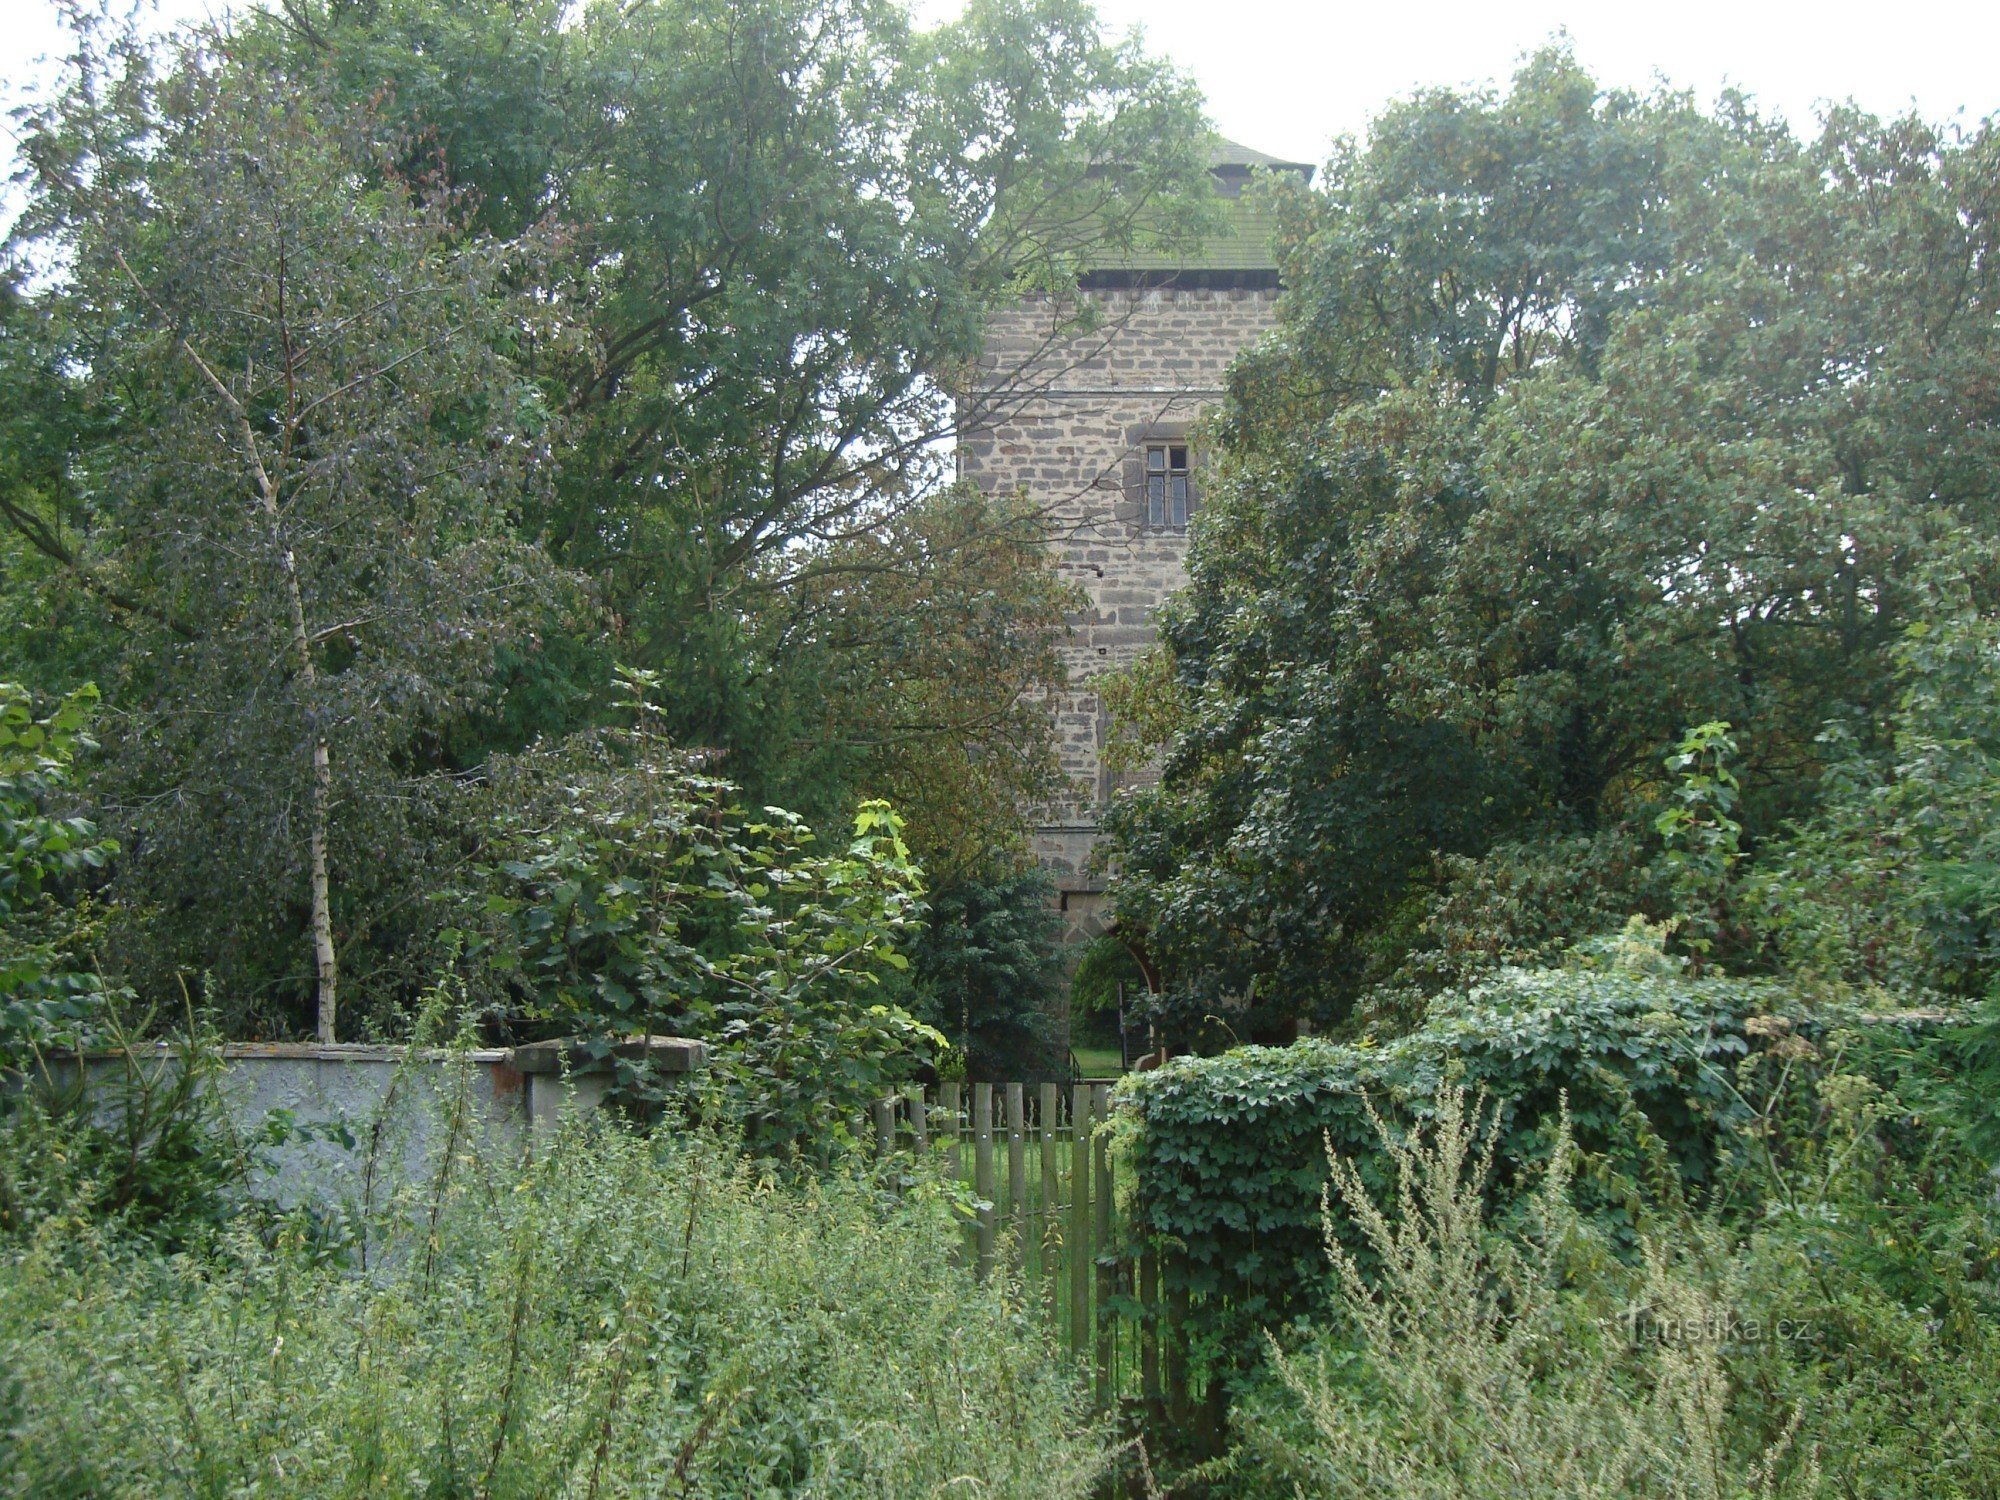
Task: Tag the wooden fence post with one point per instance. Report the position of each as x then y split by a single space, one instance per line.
1178 1404
948 1095
917 1130
1078 1247
948 1098
1047 1099
1017 1165
1149 1335
982 1172
1107 1272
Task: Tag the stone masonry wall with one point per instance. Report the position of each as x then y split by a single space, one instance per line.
1066 421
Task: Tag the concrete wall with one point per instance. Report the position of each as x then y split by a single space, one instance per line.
1066 420
395 1103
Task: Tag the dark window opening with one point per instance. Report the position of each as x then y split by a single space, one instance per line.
1166 484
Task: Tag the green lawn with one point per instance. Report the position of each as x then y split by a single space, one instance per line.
1098 1062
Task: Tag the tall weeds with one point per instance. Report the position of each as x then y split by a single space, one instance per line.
607 1316
1470 1361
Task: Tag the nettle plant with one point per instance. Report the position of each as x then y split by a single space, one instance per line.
633 895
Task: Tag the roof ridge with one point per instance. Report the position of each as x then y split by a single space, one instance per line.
1224 152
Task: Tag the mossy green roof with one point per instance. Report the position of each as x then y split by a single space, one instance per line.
1244 243
1225 154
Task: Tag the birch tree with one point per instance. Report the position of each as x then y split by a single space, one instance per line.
314 438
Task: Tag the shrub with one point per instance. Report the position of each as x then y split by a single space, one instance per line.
1523 903
1227 1153
1896 878
144 1146
628 893
47 992
1878 1231
1973 1103
1845 1330
612 1315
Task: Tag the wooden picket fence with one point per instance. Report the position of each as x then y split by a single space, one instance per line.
1041 1174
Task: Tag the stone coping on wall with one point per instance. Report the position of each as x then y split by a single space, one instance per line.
307 1052
669 1054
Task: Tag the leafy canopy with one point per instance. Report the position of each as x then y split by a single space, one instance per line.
783 226
1590 418
563 336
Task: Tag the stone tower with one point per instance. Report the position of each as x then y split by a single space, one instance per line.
1096 432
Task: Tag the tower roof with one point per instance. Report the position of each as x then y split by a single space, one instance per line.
1225 154
1242 247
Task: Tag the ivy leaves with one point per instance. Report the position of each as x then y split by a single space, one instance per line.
1229 1152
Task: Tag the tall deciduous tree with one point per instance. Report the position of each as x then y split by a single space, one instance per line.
311 448
740 254
785 223
916 658
1591 419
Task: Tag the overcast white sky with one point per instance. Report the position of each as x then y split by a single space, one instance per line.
1286 76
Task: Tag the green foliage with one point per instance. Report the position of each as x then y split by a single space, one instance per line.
782 224
131 1138
1591 418
1837 1337
1702 836
1896 880
1489 1362
1227 1153
58 633
1973 1102
606 1316
1524 903
987 971
559 335
48 991
301 435
628 894
1105 967
1862 1165
922 656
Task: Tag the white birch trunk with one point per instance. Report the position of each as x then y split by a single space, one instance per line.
326 961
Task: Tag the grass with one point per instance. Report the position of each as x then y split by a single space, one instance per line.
1099 1062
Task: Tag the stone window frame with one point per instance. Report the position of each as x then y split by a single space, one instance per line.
1132 506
